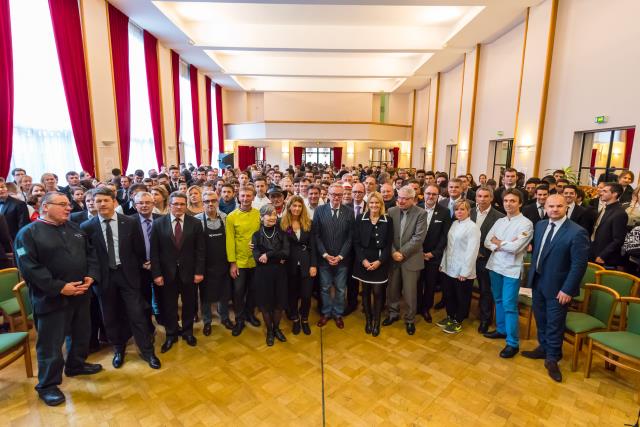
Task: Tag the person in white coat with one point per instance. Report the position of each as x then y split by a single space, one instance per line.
459 267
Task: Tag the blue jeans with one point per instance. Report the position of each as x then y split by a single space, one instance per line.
337 276
505 293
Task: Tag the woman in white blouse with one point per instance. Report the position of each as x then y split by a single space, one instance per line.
459 267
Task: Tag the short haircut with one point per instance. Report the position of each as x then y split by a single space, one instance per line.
16 170
48 197
209 193
614 187
572 187
408 190
177 195
267 209
558 181
260 178
455 181
140 195
137 187
248 188
514 192
535 181
104 191
228 185
511 170
462 202
174 167
485 188
70 173
432 186
543 187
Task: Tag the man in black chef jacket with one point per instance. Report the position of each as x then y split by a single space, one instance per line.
59 265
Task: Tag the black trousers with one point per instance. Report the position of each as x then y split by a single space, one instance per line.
97 328
457 295
147 291
169 306
486 296
244 302
72 322
299 290
429 278
124 312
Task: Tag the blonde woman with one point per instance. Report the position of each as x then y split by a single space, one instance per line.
633 211
301 264
194 200
160 199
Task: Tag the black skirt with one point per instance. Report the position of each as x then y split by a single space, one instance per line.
377 276
270 286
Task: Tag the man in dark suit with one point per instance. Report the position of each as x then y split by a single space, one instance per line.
358 205
560 255
438 223
174 178
484 215
576 213
5 244
122 196
454 188
610 228
409 230
73 180
129 207
177 262
535 211
119 244
510 180
467 192
332 225
14 211
90 212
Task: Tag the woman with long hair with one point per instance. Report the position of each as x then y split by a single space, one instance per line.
34 197
160 200
302 262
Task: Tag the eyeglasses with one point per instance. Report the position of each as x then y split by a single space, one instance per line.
431 194
62 204
209 202
335 194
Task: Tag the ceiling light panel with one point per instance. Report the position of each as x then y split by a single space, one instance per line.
308 84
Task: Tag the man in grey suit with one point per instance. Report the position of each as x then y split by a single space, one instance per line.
484 215
409 231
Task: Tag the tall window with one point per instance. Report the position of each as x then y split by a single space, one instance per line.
186 117
142 151
452 159
501 152
319 155
215 148
42 137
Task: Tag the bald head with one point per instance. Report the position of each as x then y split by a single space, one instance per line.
555 207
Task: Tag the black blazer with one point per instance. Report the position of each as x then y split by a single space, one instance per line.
333 236
445 204
436 239
610 235
303 251
492 216
364 240
79 217
276 248
530 211
5 243
583 217
167 259
130 248
470 195
16 213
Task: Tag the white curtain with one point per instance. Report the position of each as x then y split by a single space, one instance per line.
42 136
142 151
186 117
215 148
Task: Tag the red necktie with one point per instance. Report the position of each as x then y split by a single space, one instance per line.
177 233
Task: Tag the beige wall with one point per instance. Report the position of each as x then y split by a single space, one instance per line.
448 113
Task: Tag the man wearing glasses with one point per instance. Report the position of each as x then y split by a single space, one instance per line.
59 265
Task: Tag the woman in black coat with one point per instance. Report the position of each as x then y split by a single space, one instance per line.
372 239
301 264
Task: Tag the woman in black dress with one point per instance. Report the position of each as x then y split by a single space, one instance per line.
301 264
372 238
270 250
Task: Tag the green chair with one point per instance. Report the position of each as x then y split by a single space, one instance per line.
526 302
623 283
21 291
9 306
14 345
619 348
589 277
596 315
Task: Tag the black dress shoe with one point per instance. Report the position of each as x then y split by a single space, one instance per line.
169 342
440 305
368 326
277 332
86 369
190 339
206 331
51 396
237 329
305 327
483 328
152 360
253 320
227 323
375 331
295 328
508 352
536 353
411 328
553 370
494 335
427 317
389 321
270 337
118 359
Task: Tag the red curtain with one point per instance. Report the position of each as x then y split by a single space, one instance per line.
119 35
175 76
6 89
207 87
396 156
67 31
631 133
337 157
594 156
153 87
218 90
246 156
297 155
195 109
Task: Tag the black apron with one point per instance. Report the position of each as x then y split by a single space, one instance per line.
216 284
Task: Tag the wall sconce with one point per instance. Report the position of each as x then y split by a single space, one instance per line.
285 147
228 146
350 148
108 143
405 146
462 150
525 148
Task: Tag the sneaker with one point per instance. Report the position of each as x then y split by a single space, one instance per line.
453 328
444 322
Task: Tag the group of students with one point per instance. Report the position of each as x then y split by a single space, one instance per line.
268 239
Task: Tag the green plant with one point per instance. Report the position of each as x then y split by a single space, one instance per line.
569 174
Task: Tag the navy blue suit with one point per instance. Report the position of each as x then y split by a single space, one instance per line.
562 265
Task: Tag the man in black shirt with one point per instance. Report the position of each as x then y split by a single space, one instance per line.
59 265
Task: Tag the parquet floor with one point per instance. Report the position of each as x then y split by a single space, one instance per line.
430 379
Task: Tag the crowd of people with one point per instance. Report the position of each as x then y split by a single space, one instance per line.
109 260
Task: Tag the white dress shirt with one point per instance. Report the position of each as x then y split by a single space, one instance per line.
558 224
481 215
515 233
463 243
114 230
173 223
570 209
259 202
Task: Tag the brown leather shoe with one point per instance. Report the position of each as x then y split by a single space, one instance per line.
339 323
323 321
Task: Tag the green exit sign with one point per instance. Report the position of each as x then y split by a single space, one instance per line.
601 119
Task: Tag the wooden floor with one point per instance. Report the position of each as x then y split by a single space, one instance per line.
429 379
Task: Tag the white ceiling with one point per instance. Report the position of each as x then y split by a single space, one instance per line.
324 45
